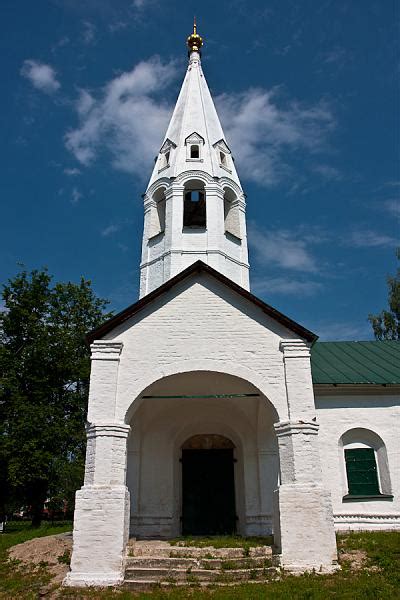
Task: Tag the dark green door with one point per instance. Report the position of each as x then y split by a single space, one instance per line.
208 492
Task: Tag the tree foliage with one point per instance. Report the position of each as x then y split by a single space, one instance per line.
386 324
44 379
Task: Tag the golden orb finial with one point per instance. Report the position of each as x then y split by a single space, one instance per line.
194 41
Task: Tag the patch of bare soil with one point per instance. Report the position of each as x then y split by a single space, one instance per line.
355 558
52 552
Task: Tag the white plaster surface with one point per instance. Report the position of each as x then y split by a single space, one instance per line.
376 410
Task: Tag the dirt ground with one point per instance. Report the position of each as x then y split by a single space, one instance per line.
45 551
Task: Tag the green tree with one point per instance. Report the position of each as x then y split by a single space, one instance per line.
386 325
44 379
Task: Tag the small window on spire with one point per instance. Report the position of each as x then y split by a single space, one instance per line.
167 157
222 158
194 151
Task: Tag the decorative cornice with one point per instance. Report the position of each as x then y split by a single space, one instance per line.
119 430
294 348
285 428
106 350
145 264
359 517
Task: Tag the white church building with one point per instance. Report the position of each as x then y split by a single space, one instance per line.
210 412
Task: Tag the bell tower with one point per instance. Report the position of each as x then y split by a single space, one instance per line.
194 205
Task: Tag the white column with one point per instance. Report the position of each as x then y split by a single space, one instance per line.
101 520
303 520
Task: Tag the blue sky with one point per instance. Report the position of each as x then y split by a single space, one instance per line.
308 99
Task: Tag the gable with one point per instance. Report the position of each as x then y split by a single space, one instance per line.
222 145
195 138
194 271
167 145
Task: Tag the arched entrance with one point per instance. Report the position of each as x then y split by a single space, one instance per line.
208 485
182 418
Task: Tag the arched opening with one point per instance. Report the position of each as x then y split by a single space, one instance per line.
194 209
208 485
201 412
231 213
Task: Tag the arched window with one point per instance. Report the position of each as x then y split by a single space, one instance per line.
365 464
194 151
194 208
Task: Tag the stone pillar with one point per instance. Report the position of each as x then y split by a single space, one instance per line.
101 520
303 520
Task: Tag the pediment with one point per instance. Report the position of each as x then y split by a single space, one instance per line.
194 138
167 145
222 145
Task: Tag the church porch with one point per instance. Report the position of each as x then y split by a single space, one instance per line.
202 458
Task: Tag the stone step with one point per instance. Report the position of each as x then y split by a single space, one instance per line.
168 551
157 575
142 585
204 563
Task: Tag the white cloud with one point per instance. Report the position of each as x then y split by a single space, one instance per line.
281 248
88 33
107 231
72 172
328 172
129 116
127 120
76 195
84 103
393 207
42 76
342 331
370 239
285 286
262 133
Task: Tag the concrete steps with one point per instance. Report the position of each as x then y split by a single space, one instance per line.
150 564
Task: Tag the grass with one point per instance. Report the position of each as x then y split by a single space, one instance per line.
378 579
24 582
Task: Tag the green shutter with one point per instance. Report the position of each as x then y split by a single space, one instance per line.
362 476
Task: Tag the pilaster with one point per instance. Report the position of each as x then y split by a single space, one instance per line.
101 519
298 379
105 357
303 520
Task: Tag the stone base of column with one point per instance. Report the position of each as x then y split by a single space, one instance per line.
304 529
101 530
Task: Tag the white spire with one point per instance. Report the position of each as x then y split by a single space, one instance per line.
195 166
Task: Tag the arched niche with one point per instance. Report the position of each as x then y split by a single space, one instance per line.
370 445
231 213
157 220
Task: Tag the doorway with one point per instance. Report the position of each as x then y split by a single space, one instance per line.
208 486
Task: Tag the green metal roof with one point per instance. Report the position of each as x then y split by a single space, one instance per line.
356 362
